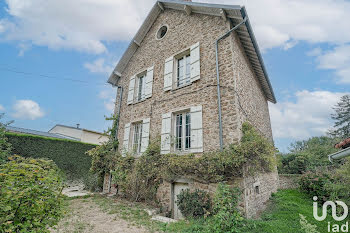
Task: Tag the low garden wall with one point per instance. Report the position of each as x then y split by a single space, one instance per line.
288 181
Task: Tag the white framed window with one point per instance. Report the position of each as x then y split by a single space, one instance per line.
182 131
141 87
182 69
137 136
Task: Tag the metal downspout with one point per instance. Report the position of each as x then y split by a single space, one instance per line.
218 78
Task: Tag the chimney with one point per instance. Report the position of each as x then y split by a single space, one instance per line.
78 125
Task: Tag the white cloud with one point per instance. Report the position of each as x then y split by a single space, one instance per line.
308 115
2 108
86 25
83 25
99 66
278 23
27 109
337 59
108 96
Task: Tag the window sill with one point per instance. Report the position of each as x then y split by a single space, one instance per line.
139 101
180 87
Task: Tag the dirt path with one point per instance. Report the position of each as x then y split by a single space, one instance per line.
86 216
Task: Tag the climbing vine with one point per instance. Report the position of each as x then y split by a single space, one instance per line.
139 178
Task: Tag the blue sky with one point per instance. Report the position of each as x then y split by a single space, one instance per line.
45 46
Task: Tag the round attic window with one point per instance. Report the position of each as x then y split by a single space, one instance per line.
162 32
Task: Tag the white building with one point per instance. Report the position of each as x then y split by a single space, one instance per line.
83 135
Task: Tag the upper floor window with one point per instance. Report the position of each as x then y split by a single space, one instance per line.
183 68
140 86
183 74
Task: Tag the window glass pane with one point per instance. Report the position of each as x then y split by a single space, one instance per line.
140 90
180 71
137 138
188 131
178 132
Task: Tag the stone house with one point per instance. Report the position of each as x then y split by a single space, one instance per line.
186 78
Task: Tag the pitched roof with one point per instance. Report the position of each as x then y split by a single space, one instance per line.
38 133
233 12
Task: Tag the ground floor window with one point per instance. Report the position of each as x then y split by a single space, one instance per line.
137 138
182 131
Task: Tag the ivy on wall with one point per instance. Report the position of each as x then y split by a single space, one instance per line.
69 155
139 178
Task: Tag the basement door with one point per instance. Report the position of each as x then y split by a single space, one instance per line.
178 187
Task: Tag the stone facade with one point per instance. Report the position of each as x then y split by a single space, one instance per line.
242 97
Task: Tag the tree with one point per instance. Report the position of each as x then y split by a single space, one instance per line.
341 118
5 146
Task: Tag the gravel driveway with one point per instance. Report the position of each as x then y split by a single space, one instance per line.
84 215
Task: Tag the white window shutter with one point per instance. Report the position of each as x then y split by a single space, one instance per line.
145 134
149 82
126 139
165 136
168 73
131 90
195 62
196 129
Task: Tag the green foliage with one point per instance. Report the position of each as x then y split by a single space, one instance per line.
306 226
5 146
68 155
226 216
316 184
307 155
194 203
139 178
342 118
30 195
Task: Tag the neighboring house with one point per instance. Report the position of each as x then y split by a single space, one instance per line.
83 135
168 85
345 152
37 133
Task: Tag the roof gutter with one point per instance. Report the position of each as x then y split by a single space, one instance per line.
339 155
218 78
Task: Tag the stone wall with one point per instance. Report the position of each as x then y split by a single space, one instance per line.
288 181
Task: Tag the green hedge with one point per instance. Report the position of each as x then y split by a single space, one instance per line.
67 154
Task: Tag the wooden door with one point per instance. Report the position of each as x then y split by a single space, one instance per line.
178 187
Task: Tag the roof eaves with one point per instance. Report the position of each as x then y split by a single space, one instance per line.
257 50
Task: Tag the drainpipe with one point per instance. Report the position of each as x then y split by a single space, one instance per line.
119 88
218 78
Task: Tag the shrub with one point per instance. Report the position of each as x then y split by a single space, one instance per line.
226 216
69 155
30 195
194 203
5 146
316 184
